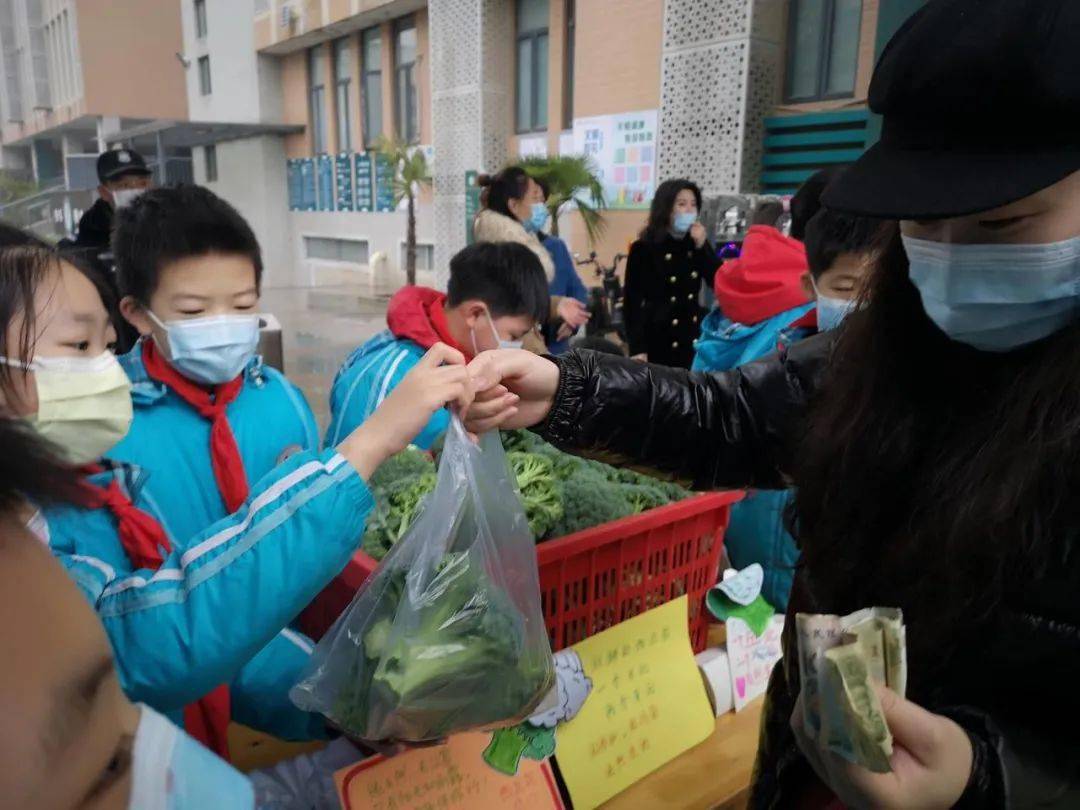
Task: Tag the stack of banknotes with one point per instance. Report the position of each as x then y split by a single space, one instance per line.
838 658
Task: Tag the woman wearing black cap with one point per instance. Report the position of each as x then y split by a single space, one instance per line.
939 466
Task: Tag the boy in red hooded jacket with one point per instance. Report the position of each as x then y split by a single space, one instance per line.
497 294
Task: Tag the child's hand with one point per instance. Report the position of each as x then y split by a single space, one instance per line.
515 388
440 378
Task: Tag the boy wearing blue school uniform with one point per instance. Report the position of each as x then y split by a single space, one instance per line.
497 293
197 548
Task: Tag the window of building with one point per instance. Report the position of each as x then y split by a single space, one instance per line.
204 75
425 257
210 155
405 101
823 49
532 65
568 70
317 97
371 67
324 248
200 18
342 87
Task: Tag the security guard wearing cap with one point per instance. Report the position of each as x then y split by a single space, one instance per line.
123 175
665 272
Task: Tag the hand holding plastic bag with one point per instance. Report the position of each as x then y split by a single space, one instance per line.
447 634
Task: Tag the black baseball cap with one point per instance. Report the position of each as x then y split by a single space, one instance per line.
118 162
979 100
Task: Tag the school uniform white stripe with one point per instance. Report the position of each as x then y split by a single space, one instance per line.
298 640
163 575
352 389
269 495
100 565
380 376
390 376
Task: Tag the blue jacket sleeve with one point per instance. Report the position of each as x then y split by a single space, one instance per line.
209 610
564 266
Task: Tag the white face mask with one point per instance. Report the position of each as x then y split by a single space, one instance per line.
172 771
502 344
123 197
84 403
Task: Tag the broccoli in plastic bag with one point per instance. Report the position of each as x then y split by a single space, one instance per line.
447 634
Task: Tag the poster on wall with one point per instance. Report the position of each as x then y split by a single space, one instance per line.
292 170
343 182
307 184
326 182
532 146
365 190
384 184
623 147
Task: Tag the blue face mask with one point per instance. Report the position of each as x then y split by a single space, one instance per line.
683 221
172 771
997 297
538 219
832 311
213 350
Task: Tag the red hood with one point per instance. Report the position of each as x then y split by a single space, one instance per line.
417 314
765 280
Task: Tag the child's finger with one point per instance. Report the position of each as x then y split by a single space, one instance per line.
441 354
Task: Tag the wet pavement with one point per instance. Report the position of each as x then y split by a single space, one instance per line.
319 328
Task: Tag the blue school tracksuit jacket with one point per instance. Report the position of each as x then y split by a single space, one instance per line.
415 322
214 612
757 531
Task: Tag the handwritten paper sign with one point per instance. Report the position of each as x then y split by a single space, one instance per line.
648 705
752 657
446 777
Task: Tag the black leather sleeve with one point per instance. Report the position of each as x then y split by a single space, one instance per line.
1014 765
731 429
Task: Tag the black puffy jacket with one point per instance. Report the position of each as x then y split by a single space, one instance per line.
1014 687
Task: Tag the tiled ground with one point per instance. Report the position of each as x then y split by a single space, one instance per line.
320 327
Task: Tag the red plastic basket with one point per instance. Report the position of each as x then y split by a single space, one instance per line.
601 576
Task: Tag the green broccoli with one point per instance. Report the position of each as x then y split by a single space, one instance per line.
589 500
449 656
509 745
409 463
644 496
540 492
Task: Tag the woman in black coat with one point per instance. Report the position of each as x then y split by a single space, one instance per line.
664 275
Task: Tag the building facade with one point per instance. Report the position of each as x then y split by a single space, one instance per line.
280 104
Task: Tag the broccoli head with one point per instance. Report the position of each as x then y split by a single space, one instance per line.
541 494
589 500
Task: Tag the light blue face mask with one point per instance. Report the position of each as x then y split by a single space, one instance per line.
683 221
997 297
502 344
211 350
538 219
832 311
172 771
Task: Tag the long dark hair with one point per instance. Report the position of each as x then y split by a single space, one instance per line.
931 472
498 190
659 224
31 469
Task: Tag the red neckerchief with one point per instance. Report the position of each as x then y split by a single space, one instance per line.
224 452
142 537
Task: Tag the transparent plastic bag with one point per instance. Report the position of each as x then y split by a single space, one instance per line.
447 634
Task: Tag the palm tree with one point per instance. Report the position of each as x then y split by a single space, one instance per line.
571 179
411 173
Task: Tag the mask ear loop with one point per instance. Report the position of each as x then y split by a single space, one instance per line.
19 364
